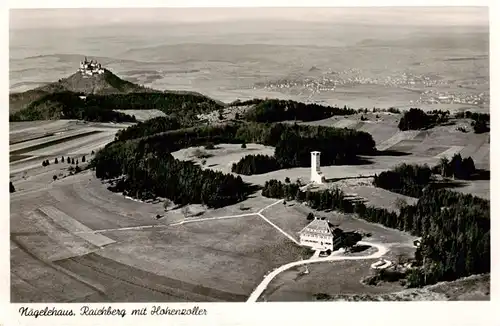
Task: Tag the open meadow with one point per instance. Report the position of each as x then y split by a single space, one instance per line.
109 248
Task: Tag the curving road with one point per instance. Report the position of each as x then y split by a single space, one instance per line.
381 250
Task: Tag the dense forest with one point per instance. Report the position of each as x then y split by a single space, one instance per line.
150 174
405 179
246 102
94 107
255 164
149 127
455 228
165 102
281 110
416 119
293 149
68 105
411 179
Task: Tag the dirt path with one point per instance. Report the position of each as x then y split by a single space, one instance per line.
259 213
195 220
381 250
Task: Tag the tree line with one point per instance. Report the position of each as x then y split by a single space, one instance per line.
68 105
457 167
416 119
455 228
255 164
146 173
405 179
275 110
166 102
102 107
480 121
149 127
412 179
293 143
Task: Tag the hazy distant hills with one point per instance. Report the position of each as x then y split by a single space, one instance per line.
106 83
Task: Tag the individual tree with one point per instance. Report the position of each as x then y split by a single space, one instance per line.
310 216
54 177
72 161
167 204
456 166
92 153
287 180
47 162
62 159
445 167
400 203
243 145
76 161
11 187
56 161
83 159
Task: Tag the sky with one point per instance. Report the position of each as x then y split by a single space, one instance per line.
69 18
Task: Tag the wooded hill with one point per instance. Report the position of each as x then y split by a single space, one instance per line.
93 98
106 83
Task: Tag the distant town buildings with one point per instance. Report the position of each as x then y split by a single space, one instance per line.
90 68
318 235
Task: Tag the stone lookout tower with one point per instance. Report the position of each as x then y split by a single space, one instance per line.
316 175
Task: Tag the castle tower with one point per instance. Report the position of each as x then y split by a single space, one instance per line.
316 175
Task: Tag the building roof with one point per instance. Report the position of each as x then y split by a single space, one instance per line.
317 227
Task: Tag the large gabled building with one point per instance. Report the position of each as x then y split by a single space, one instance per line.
319 235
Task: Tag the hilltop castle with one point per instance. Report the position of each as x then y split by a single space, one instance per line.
89 68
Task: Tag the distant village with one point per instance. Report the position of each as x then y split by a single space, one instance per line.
90 68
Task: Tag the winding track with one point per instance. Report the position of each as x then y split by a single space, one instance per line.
269 277
381 249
